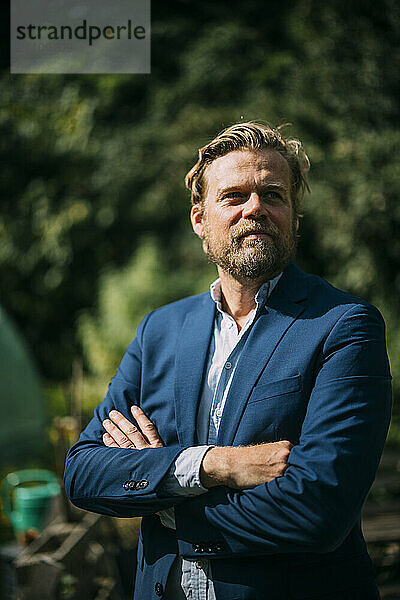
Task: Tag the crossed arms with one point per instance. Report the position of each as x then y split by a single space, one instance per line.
326 476
234 467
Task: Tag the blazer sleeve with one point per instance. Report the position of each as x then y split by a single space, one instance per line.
119 482
315 504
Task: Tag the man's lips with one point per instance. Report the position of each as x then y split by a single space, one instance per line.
255 235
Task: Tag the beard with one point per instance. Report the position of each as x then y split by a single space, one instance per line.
251 259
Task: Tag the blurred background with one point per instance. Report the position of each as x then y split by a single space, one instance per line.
94 229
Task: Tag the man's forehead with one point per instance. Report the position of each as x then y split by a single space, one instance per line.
239 165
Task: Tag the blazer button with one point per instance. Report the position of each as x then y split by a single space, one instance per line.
142 484
158 588
126 485
132 484
196 547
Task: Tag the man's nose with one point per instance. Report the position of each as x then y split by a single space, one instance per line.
253 206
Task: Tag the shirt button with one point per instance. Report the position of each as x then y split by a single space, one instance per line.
200 564
228 365
218 412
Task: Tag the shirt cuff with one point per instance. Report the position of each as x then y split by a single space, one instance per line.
183 477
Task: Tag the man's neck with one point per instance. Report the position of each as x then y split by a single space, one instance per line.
238 296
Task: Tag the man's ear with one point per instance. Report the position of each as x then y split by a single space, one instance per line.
196 218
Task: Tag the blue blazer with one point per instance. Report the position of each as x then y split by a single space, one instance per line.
314 370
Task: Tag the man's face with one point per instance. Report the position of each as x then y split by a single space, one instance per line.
248 226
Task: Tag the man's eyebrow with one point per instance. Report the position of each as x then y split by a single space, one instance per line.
263 186
222 191
277 185
230 188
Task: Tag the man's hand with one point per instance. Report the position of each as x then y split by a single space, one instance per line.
244 466
236 467
121 433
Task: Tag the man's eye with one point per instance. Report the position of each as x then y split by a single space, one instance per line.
274 196
234 196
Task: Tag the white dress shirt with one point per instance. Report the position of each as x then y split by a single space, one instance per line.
192 580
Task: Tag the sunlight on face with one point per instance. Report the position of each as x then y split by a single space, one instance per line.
249 226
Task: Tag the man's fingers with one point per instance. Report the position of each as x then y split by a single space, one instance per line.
122 439
125 434
285 446
148 428
281 457
109 441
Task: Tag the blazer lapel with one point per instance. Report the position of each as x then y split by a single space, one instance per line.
190 363
283 307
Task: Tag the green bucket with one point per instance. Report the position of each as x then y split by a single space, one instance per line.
27 497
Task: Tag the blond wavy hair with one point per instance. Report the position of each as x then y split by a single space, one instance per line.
251 135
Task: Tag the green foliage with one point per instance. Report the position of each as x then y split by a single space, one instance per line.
127 295
96 210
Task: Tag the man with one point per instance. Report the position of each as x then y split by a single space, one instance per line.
245 425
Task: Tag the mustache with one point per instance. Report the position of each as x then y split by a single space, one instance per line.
250 227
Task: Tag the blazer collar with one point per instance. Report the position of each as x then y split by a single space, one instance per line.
190 365
283 307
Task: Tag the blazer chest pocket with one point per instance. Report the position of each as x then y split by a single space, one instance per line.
275 411
275 388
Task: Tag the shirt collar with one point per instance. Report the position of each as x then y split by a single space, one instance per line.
263 293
